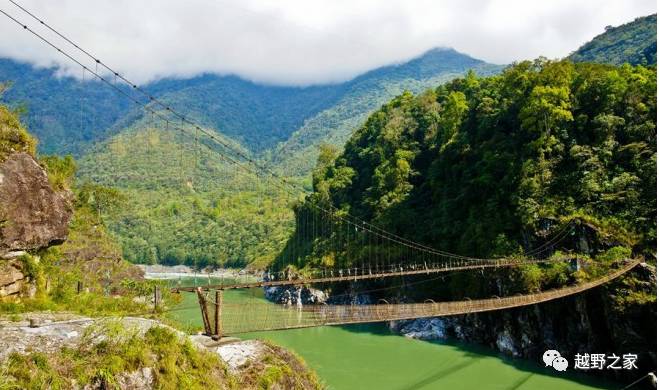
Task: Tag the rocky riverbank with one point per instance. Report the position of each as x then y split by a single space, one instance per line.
604 320
251 364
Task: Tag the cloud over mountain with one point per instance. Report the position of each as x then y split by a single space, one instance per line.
305 42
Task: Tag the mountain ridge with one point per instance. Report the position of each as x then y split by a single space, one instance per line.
634 42
258 115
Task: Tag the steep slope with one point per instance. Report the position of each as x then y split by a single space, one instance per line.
184 203
498 166
365 94
634 42
63 112
483 161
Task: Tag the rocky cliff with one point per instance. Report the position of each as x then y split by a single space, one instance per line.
32 216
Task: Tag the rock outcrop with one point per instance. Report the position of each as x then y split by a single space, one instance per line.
12 278
32 216
291 295
250 364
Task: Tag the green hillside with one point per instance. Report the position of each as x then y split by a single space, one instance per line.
479 165
634 43
213 214
257 116
183 203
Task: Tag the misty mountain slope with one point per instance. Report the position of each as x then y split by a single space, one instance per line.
258 116
634 42
365 94
68 115
64 113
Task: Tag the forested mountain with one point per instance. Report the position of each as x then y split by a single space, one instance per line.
634 42
198 209
257 116
478 165
183 202
68 115
365 94
64 113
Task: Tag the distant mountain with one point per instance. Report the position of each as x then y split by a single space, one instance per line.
257 116
68 115
366 94
634 43
62 112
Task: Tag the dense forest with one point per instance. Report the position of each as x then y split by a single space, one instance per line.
634 43
479 165
183 202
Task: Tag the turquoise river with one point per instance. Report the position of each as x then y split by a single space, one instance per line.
371 357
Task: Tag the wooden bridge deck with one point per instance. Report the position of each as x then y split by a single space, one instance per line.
236 318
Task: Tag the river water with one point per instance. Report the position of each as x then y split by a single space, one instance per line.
371 357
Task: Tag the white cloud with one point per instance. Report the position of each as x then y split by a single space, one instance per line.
305 41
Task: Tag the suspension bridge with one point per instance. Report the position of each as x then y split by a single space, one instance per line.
232 318
349 247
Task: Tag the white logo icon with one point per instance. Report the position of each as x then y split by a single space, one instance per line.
553 358
560 364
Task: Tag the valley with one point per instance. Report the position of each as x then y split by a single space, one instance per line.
435 180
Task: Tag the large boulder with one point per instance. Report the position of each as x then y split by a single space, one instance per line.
32 214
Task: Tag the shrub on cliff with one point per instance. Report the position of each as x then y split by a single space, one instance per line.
13 136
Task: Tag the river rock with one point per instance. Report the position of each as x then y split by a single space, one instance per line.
506 344
292 294
422 328
136 380
239 353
